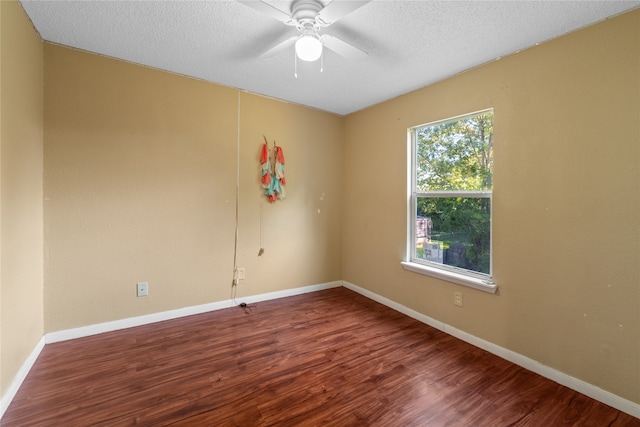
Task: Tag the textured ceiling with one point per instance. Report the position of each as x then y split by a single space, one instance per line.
410 44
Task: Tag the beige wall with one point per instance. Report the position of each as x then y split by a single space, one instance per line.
21 235
566 230
140 184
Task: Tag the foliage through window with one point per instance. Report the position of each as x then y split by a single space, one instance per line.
452 164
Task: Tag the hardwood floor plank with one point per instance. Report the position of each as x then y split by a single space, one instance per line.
328 358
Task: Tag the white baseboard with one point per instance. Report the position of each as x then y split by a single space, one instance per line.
6 399
585 388
115 325
292 292
130 322
580 386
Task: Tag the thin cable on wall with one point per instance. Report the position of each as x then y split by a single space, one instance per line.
261 250
234 283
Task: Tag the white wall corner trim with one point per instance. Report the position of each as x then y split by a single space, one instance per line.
5 401
580 386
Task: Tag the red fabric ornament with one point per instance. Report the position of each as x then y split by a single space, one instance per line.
279 155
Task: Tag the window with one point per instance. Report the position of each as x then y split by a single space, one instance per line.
450 205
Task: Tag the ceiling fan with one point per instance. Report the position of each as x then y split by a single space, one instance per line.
309 16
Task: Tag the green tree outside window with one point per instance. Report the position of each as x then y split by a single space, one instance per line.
453 183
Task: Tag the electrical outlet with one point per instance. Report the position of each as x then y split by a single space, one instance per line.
241 273
143 289
457 298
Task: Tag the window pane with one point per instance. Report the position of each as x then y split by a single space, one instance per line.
454 231
455 155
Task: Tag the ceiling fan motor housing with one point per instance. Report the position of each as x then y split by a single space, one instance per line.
305 13
306 9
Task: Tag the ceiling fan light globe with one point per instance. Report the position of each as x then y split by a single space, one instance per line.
308 48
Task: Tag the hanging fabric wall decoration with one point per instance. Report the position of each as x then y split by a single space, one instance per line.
279 172
273 180
266 170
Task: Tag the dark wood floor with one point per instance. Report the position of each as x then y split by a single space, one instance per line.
330 358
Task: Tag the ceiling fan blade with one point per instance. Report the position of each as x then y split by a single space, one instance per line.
339 8
286 43
342 48
268 10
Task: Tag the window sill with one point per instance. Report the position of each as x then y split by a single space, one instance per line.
450 276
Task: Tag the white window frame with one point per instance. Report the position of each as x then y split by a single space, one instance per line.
476 280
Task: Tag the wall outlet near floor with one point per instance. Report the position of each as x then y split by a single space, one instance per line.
143 289
457 298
